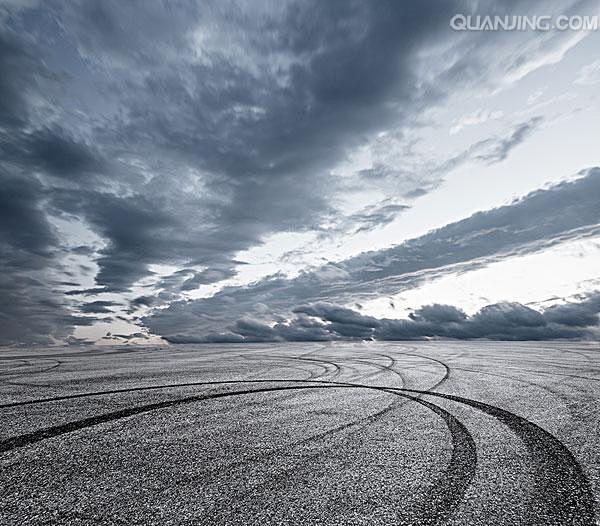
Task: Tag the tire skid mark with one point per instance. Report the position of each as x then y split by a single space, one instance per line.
313 375
395 404
548 373
360 423
381 367
444 496
173 386
563 494
143 388
15 369
77 425
337 370
556 394
447 370
284 362
88 353
11 377
440 500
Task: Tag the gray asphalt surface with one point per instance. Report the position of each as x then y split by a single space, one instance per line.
319 433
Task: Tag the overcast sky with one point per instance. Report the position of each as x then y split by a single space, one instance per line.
264 171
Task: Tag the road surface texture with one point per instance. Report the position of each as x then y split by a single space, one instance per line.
318 433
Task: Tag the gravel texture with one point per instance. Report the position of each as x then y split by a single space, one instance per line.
314 433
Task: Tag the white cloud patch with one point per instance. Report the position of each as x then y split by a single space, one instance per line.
589 75
480 116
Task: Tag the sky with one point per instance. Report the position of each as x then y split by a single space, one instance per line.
190 172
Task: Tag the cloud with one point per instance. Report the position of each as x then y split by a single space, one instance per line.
500 321
480 116
98 307
545 217
208 276
184 135
132 336
259 151
30 311
495 151
579 314
589 75
437 313
416 177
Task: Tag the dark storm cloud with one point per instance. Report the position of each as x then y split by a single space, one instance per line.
208 276
264 137
568 210
93 291
26 237
365 220
143 301
30 312
51 151
580 314
261 136
184 134
500 321
128 337
98 307
138 230
437 313
336 314
21 71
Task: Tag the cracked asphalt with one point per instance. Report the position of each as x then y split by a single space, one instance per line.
455 433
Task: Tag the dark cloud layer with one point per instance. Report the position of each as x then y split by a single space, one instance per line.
566 211
185 134
500 321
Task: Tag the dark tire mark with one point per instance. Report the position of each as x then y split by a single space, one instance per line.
145 388
363 422
548 373
337 370
562 494
557 394
11 377
440 500
18 374
360 423
55 431
284 360
447 370
310 372
381 367
449 490
15 368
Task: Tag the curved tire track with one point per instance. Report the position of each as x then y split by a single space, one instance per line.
562 494
77 425
440 500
